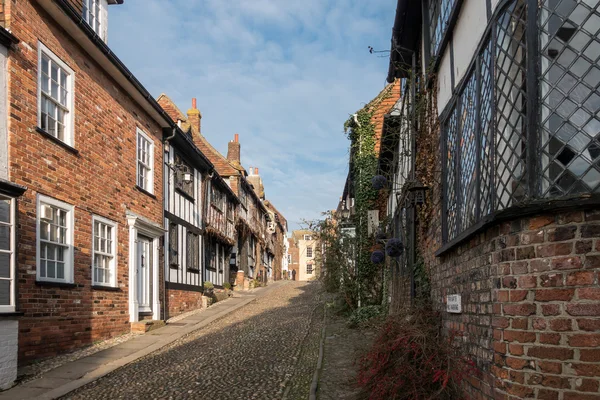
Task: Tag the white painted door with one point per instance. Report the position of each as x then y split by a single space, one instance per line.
144 264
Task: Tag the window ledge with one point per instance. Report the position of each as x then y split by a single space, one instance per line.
56 284
186 195
194 270
11 314
174 266
147 193
57 141
521 211
106 288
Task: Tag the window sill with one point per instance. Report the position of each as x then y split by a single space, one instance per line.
57 141
11 314
64 285
174 266
521 211
194 270
186 195
106 288
147 193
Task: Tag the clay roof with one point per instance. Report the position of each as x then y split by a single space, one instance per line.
222 165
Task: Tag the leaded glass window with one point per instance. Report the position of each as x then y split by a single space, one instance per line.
569 79
173 244
503 146
440 12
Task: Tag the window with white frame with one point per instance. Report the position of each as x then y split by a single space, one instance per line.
54 240
7 255
104 254
95 14
55 96
289 258
309 252
309 269
145 162
307 237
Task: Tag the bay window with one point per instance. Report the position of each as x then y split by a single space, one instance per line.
524 123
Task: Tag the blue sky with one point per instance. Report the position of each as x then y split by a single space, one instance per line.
284 74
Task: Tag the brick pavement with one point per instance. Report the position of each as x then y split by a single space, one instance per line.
267 350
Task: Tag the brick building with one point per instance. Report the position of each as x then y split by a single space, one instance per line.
293 259
277 228
504 121
85 137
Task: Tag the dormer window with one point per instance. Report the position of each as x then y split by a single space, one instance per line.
94 13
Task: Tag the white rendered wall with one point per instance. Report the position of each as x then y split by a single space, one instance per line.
444 81
9 330
468 32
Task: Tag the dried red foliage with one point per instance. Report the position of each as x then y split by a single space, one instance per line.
411 359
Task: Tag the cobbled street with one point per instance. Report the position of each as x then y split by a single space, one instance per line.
265 350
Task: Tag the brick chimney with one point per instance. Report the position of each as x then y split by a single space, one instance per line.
233 149
194 116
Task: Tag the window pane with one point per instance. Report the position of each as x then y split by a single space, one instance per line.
511 99
5 292
569 91
4 237
4 265
51 269
60 270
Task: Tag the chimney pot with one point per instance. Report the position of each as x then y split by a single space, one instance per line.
233 150
256 170
237 138
194 103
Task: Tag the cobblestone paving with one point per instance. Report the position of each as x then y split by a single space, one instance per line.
264 350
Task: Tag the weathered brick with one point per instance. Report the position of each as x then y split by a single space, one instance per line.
549 338
519 309
518 295
519 336
586 385
539 324
553 249
550 353
554 294
592 262
583 309
527 282
586 340
566 263
525 253
547 394
580 278
591 293
540 265
541 221
561 325
590 230
551 280
519 323
550 367
590 325
561 233
583 246
586 369
550 309
589 355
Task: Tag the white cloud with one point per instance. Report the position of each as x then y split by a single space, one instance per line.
284 74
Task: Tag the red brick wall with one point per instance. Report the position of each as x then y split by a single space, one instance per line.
295 253
181 301
100 180
531 309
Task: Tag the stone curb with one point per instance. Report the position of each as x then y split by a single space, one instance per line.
160 343
315 381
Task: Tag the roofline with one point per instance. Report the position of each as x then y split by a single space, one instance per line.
164 119
401 48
